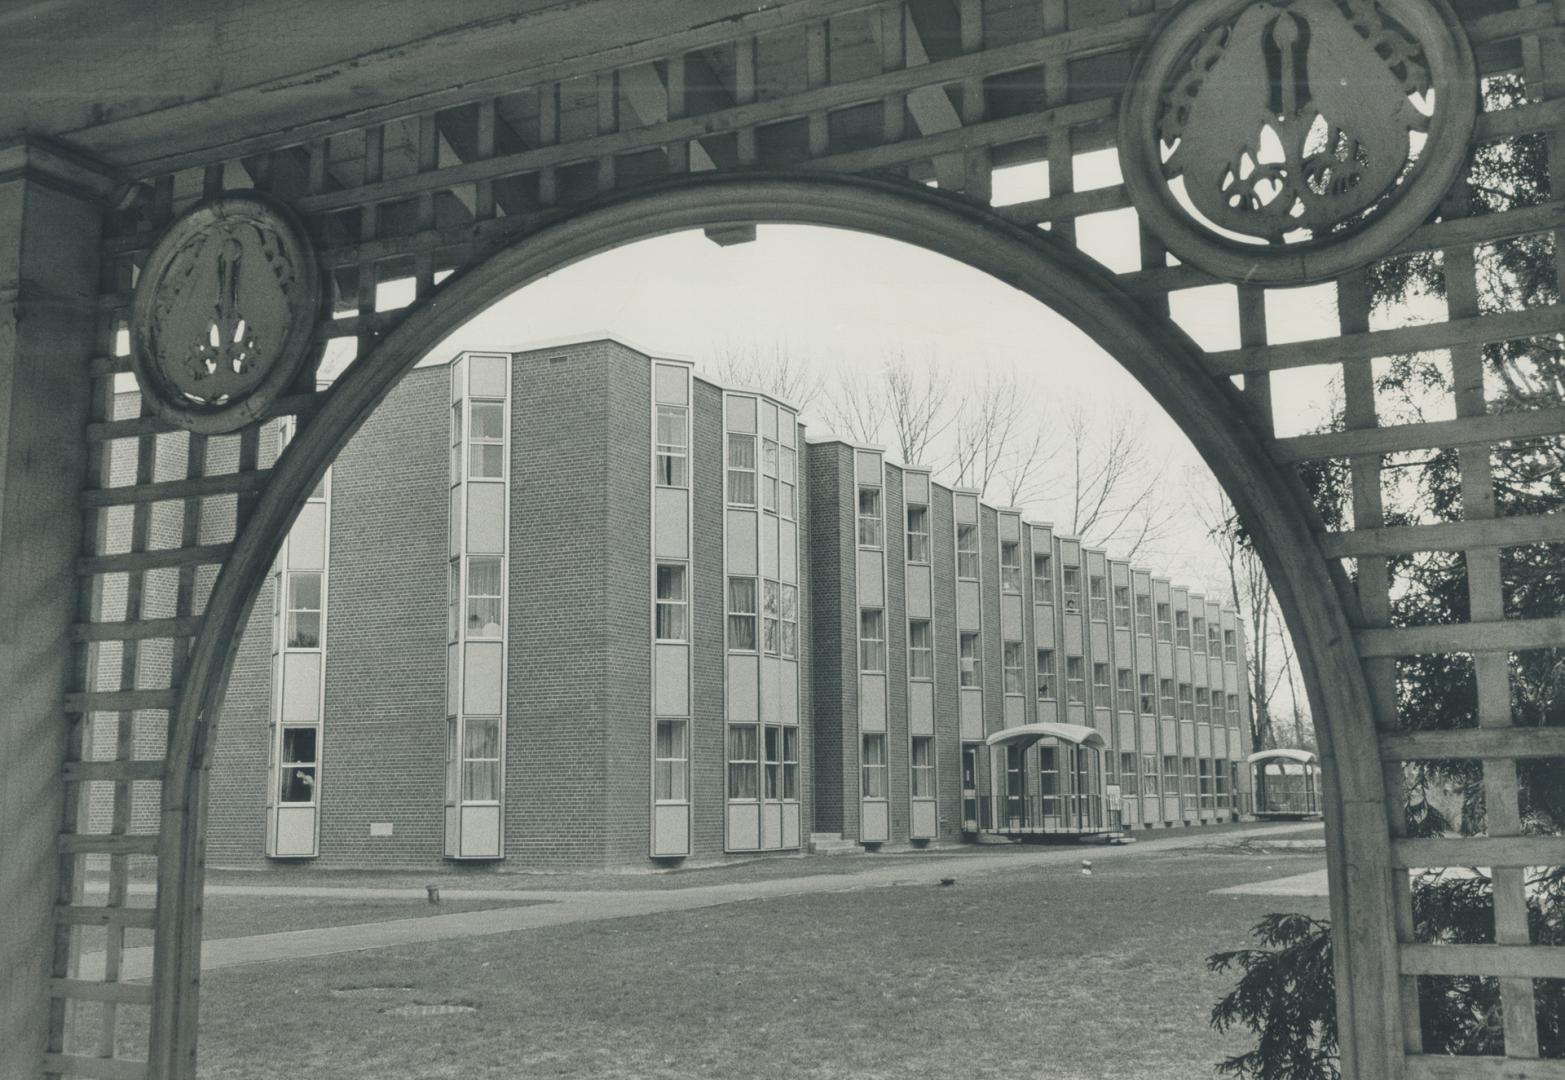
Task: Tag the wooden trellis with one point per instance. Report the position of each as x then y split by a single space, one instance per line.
409 190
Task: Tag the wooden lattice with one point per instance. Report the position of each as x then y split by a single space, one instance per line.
410 190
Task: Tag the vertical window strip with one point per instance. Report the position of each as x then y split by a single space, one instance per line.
673 446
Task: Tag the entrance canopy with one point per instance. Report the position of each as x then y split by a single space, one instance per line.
1281 755
1025 735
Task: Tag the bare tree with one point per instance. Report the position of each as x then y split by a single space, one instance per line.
987 423
774 369
856 406
918 405
1105 483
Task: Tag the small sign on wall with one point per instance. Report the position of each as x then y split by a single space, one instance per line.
380 828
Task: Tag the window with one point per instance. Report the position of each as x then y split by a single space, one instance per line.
673 456
1126 685
1149 784
304 609
1171 775
1165 626
671 763
1127 774
481 759
1182 629
773 762
1198 633
486 440
1148 696
872 639
741 614
923 766
456 442
1122 607
1166 692
1203 707
970 668
1186 704
1214 641
1098 598
743 762
790 620
1102 695
1011 567
1075 679
869 517
790 763
741 470
483 597
790 468
1220 786
1071 583
1230 647
1143 615
1205 768
1233 710
673 604
771 617
297 780
1046 687
1191 791
874 766
768 475
454 600
1011 662
967 552
1042 579
918 534
920 650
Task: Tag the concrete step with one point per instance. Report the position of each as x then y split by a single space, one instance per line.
833 844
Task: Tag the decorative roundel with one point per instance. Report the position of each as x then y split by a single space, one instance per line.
1284 141
225 313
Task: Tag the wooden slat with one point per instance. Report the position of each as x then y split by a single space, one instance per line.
82 915
76 772
1445 536
100 367
1466 431
1492 851
224 484
109 843
1501 635
1072 205
1473 743
1521 961
1453 1067
135 426
1372 343
1508 24
121 700
137 630
87 990
1086 41
94 1068
131 561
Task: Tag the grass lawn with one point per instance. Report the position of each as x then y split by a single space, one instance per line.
1038 972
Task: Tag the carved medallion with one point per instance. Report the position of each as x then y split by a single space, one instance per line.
1285 141
225 313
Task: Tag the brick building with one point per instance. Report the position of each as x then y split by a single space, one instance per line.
579 606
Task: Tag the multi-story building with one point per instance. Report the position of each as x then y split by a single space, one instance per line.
579 606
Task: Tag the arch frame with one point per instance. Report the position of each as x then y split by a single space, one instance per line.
1268 497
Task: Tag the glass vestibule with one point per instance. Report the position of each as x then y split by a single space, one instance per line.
1068 797
1286 783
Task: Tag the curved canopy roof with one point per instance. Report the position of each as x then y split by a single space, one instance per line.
1281 755
1027 734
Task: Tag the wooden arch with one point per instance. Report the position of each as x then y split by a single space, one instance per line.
1147 343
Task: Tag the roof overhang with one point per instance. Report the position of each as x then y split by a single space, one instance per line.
1027 734
1281 755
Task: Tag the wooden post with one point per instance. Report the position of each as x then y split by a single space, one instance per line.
49 227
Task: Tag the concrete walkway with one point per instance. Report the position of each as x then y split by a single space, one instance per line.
565 907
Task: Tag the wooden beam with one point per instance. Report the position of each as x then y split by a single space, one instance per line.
1466 431
123 993
120 700
165 490
1499 635
162 558
1473 743
1464 1067
1503 851
1520 961
77 772
137 629
94 1068
1445 536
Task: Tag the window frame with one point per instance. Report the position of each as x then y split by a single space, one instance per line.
1047 675
1070 589
921 657
671 453
738 617
969 661
1102 689
674 605
1076 680
967 552
1011 572
873 774
737 476
1098 598
921 775
1122 613
672 765
741 767
497 599
918 545
872 647
1043 583
871 523
1013 674
476 442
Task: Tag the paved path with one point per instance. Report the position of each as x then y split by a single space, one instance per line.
590 906
1310 883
